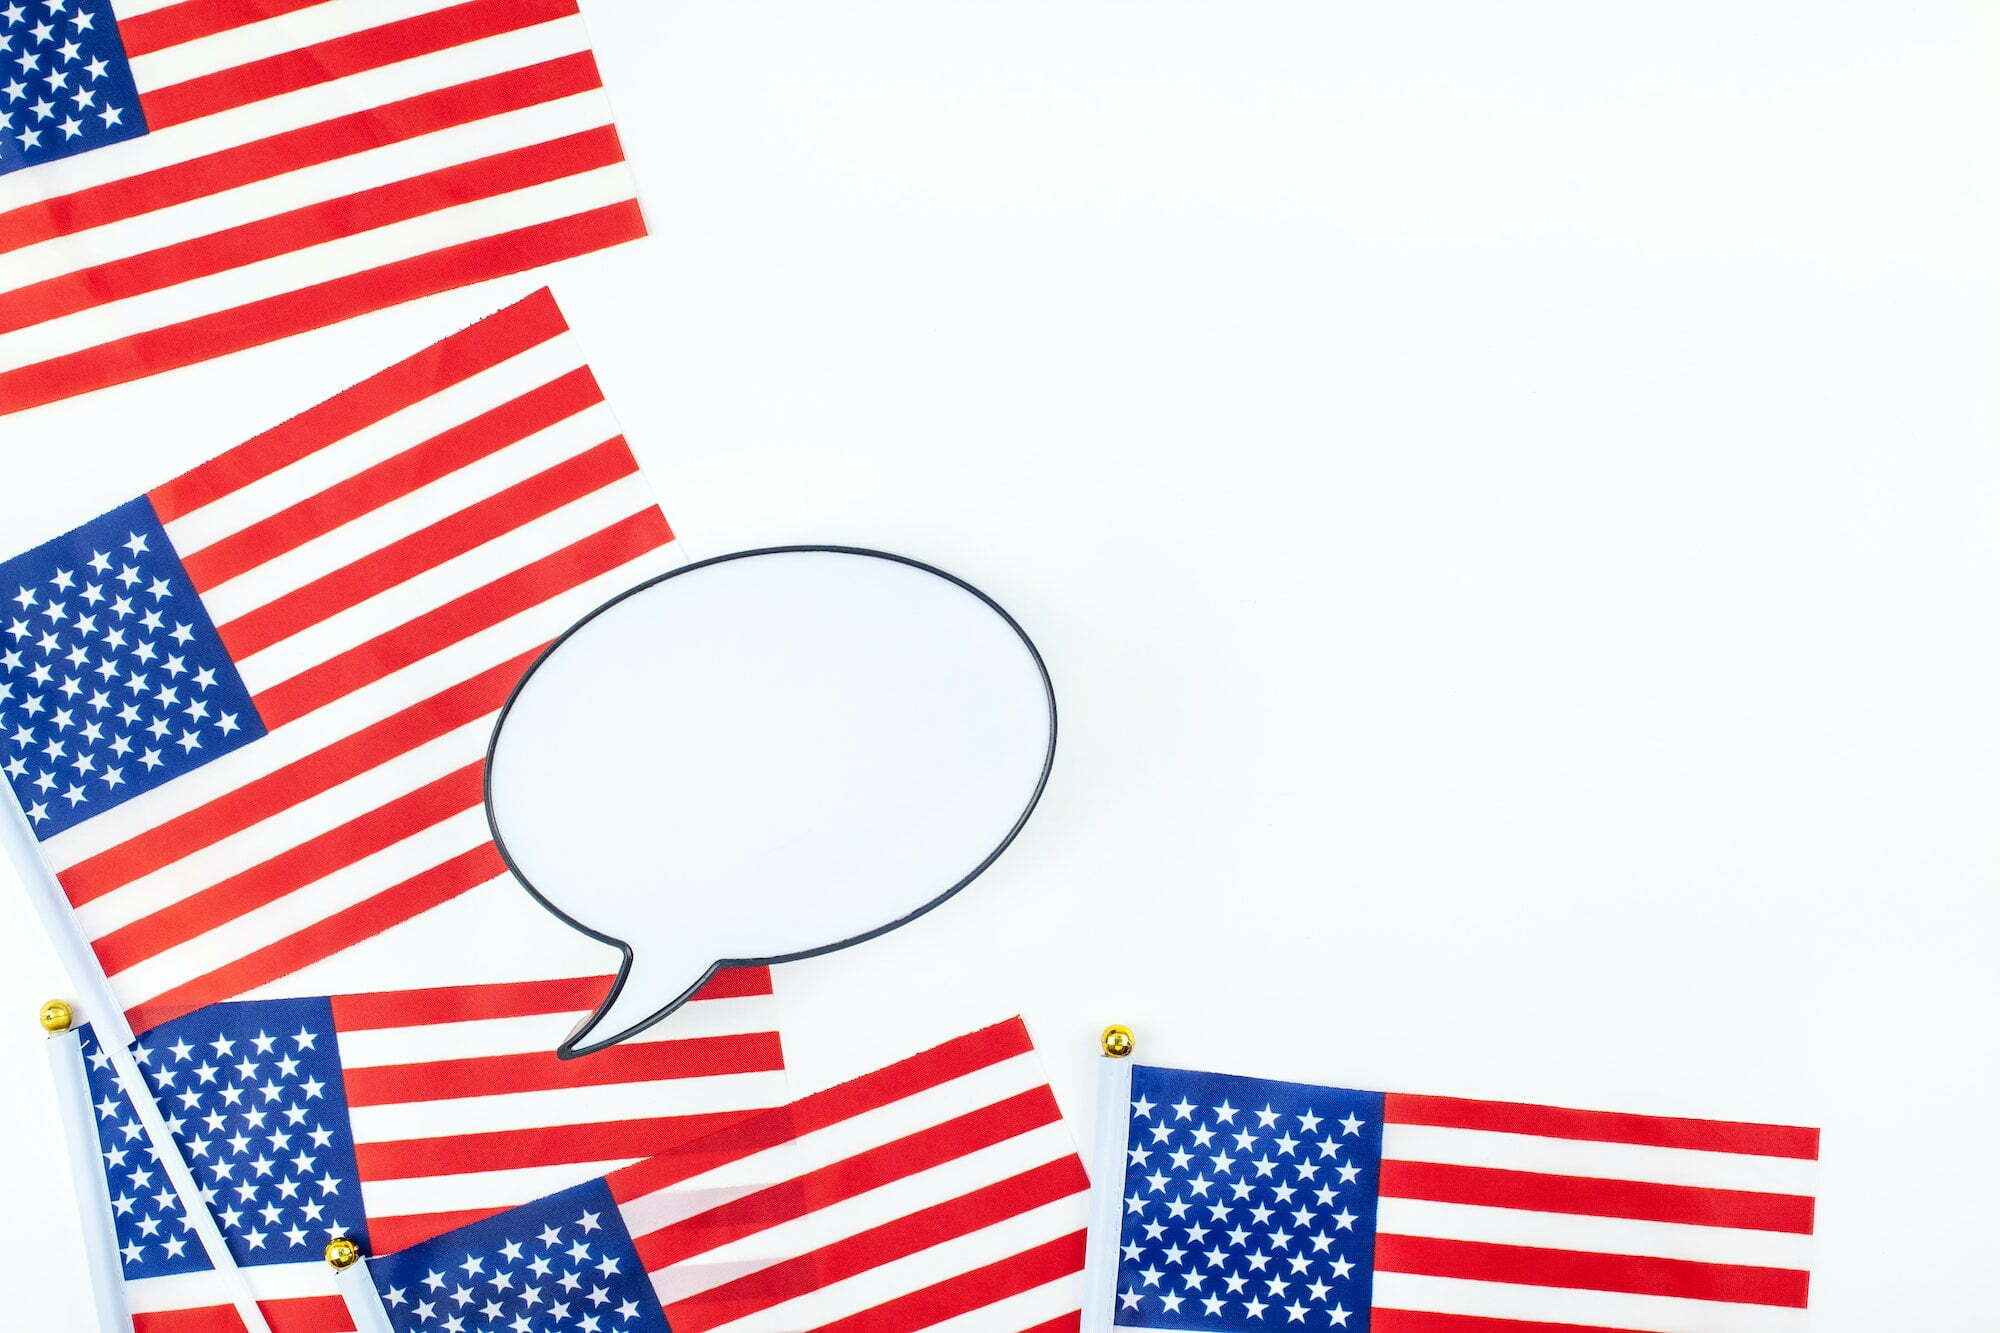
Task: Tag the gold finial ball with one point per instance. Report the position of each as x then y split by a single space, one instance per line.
342 1253
1118 1041
57 1016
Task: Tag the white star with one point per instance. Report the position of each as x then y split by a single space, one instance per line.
1266 1118
1350 1125
1183 1109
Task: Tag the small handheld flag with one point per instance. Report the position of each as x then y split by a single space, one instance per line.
181 180
1250 1204
939 1192
245 715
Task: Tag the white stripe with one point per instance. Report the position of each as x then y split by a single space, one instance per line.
1561 1305
351 455
1599 1235
349 714
1608 1161
962 1254
286 829
270 37
133 8
212 213
837 1142
309 904
193 1291
900 1198
899 1277
531 1034
295 110
537 1110
351 543
114 320
421 1195
456 578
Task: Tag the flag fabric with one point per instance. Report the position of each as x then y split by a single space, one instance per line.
246 713
169 1284
1253 1204
941 1192
390 1118
180 179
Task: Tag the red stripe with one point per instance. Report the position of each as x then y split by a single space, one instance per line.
195 19
557 1145
971 1291
339 57
1478 1261
1419 1321
864 1171
928 1069
418 466
428 547
293 150
879 1245
515 999
499 337
1643 1201
462 617
150 352
308 862
325 938
315 224
632 1062
299 1314
1603 1126
258 800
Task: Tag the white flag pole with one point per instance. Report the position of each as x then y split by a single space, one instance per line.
357 1288
93 1200
100 1008
1107 1177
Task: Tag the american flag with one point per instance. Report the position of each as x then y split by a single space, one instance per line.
393 1117
246 714
180 179
1252 1204
941 1192
169 1285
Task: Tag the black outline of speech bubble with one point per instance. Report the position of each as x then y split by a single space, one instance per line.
569 1049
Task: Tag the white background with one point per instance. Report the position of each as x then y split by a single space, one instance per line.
1506 492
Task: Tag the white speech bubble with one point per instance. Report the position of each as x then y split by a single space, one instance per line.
763 757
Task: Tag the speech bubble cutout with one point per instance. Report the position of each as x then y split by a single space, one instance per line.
763 757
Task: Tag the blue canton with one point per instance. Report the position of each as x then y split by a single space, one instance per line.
65 83
113 680
155 1238
562 1264
1249 1204
252 1092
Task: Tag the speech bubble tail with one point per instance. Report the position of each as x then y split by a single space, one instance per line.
649 987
